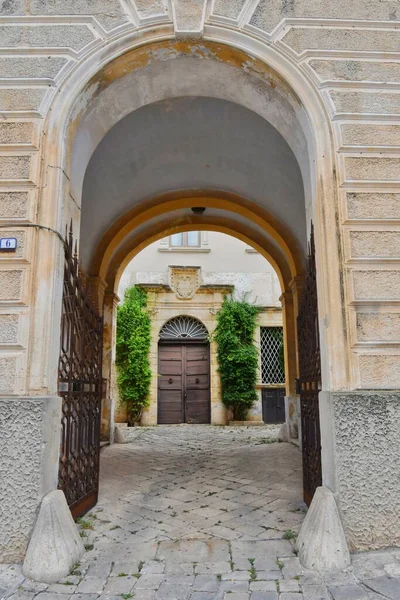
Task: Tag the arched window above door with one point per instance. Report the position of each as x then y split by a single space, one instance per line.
183 328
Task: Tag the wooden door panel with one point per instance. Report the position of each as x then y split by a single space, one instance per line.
197 370
170 367
197 381
170 382
183 384
170 385
170 407
197 353
198 406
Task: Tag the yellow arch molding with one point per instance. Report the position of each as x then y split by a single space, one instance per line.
137 243
114 237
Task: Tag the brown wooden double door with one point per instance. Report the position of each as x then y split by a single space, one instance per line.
183 383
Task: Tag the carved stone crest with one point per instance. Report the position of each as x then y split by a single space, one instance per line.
184 281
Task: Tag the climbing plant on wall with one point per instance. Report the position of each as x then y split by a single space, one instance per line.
133 347
237 355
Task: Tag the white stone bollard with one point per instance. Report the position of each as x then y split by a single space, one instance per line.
55 545
322 544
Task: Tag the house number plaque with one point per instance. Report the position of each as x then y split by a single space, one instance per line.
8 244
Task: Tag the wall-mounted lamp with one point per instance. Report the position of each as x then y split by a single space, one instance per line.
198 210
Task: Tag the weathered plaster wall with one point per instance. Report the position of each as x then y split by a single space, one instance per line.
29 448
367 448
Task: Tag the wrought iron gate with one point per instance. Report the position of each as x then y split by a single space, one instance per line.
79 385
309 382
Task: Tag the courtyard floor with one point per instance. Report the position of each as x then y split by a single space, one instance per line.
202 513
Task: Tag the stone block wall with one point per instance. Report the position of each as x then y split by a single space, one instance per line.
351 61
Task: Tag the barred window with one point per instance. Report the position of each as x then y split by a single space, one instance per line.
272 358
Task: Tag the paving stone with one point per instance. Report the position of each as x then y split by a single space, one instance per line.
237 576
392 569
119 585
234 586
315 592
151 491
194 551
269 575
34 586
340 578
145 595
51 596
62 588
149 581
265 564
91 585
289 585
100 568
216 568
154 566
263 586
291 567
387 586
347 592
255 549
179 569
169 591
205 583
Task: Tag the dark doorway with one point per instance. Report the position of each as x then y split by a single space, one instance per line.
273 405
183 382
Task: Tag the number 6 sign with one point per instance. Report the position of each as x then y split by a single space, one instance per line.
8 244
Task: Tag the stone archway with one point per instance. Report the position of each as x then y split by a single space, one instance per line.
260 219
144 128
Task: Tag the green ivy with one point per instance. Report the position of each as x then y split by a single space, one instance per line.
237 355
133 347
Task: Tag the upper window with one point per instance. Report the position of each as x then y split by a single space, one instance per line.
187 239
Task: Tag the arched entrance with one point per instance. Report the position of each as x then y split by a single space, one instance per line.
156 159
183 372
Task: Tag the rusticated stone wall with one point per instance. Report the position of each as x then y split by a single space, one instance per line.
348 50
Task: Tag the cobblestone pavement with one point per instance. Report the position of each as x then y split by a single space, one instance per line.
202 513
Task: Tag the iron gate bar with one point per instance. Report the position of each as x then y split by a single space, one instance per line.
310 377
80 387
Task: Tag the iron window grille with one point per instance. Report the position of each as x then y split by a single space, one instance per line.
272 365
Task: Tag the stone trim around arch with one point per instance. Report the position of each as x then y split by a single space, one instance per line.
320 139
56 205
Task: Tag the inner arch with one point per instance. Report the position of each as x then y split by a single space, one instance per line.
200 143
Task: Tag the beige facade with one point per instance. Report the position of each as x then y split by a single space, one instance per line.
225 266
316 81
